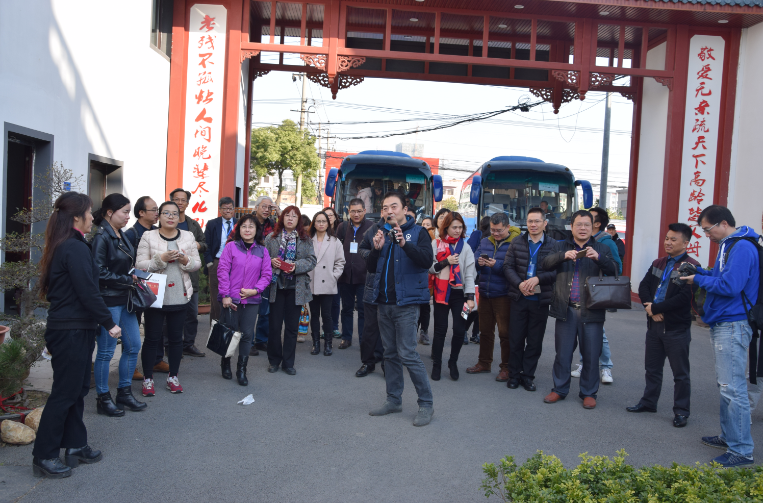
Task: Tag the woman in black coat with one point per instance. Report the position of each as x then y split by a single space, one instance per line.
69 280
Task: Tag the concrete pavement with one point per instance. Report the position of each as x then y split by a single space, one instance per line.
309 437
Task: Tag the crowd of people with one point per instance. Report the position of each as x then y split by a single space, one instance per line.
269 267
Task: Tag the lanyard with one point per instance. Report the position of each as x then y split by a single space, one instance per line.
354 232
532 255
667 271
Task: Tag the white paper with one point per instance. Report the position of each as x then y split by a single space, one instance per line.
548 187
157 283
248 400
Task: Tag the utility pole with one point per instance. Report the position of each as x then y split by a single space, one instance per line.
605 154
302 114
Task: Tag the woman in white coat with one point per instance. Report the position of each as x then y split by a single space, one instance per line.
330 255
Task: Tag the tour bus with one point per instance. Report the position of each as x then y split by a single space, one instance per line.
514 184
372 173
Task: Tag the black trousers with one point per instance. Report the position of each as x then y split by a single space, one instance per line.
424 311
61 424
454 307
566 337
152 344
371 348
527 326
320 308
673 345
283 313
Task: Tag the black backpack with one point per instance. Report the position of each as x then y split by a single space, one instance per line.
754 310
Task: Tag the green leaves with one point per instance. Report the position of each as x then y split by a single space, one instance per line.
543 479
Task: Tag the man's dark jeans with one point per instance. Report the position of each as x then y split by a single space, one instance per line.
673 345
526 329
371 347
567 335
352 298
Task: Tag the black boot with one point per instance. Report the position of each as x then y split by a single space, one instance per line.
225 366
241 370
453 370
436 368
50 468
126 400
327 351
87 455
316 346
104 405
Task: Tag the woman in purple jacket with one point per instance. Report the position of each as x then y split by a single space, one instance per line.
243 273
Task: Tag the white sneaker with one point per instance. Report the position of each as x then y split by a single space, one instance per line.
606 376
300 338
577 371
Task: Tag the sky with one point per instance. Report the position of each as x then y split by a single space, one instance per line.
572 138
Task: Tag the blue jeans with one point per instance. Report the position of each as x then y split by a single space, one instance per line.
605 360
352 298
106 345
335 311
263 328
731 341
397 327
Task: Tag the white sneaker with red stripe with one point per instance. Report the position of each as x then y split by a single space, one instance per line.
148 387
174 385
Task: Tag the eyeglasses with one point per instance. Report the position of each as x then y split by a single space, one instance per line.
581 225
707 231
534 222
170 214
356 212
181 201
225 208
152 211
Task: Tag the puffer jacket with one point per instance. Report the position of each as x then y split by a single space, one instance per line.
241 268
565 271
151 248
364 249
492 281
305 262
114 258
518 259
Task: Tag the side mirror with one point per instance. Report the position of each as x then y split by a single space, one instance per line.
437 187
331 182
587 193
474 194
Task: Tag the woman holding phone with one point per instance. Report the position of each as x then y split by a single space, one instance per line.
292 257
453 275
243 273
336 302
172 252
113 255
323 279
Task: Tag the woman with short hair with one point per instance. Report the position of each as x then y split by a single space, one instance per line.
336 303
438 217
292 257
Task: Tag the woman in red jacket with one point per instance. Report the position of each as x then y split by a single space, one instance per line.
243 272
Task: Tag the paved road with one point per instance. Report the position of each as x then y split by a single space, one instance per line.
310 438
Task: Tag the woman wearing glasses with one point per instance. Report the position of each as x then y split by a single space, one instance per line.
172 252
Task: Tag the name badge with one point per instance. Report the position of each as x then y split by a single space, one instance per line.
353 247
530 270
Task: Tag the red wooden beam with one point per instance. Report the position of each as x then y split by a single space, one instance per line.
342 25
245 22
471 54
670 49
644 47
388 30
272 22
176 111
229 144
485 35
621 47
630 209
579 29
248 152
731 9
303 25
533 38
437 22
726 125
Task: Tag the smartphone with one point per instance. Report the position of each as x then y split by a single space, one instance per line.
484 256
465 311
581 254
286 267
139 273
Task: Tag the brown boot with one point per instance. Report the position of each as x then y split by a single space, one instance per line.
589 402
137 376
553 397
162 366
478 369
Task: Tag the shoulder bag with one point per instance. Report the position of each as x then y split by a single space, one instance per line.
608 292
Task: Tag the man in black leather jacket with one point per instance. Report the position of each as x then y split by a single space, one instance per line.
574 322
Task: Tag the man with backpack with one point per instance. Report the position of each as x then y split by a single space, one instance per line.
732 289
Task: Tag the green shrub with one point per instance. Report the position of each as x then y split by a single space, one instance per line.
543 479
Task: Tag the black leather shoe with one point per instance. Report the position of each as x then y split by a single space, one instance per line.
364 370
680 421
328 348
345 344
262 346
528 384
50 468
225 366
106 406
512 384
453 370
290 371
126 400
640 408
316 347
254 352
241 370
85 455
272 369
193 351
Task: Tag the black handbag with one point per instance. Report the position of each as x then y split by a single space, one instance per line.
140 298
608 292
220 336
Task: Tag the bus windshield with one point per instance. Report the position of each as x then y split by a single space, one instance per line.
370 182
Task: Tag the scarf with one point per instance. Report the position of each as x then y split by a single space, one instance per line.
287 251
449 276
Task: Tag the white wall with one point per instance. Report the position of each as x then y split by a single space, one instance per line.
651 163
241 148
85 73
746 177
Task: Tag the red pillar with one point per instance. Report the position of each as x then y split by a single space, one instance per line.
230 104
176 113
630 210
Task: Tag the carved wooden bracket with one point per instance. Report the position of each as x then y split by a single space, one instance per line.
344 63
601 79
628 96
260 73
665 81
571 78
547 94
316 60
342 82
248 54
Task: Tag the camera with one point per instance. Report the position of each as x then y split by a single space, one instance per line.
685 269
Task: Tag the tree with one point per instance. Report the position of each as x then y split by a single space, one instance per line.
276 149
449 203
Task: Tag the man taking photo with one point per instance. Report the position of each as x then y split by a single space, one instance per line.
403 255
668 309
735 273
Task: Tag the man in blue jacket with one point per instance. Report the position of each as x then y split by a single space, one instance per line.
736 271
400 286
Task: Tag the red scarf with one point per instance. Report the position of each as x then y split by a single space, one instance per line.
440 285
